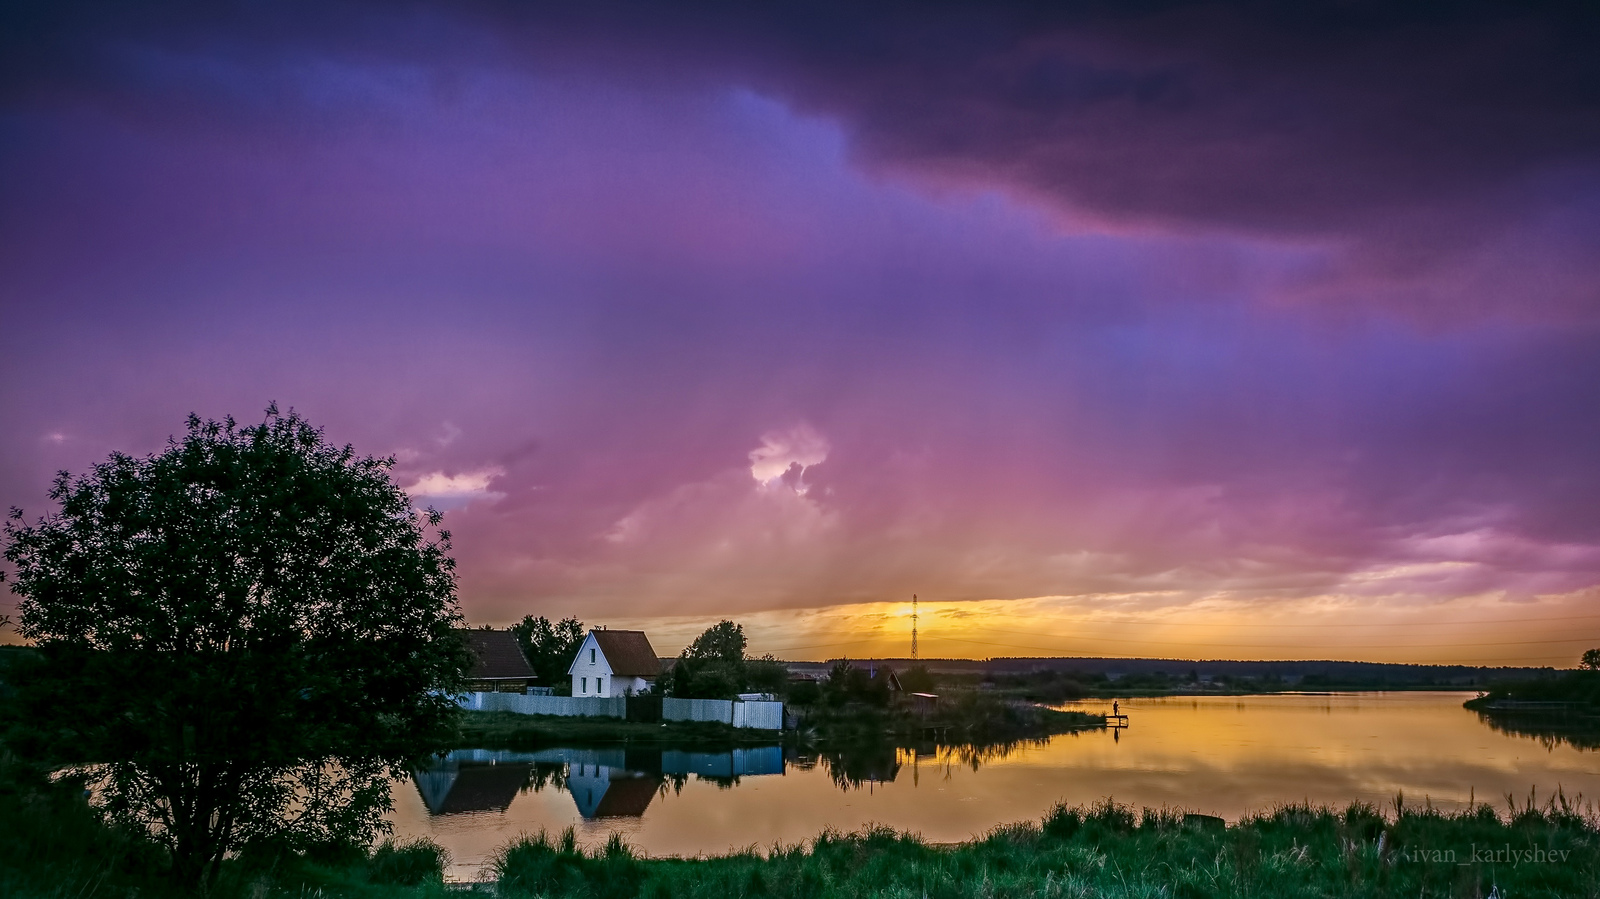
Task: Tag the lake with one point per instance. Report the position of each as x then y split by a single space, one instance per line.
1220 755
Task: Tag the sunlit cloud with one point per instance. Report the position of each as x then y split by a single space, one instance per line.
783 456
452 491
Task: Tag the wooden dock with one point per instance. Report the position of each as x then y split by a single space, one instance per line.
1116 721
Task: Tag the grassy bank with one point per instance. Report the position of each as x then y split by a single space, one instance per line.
511 730
52 845
1577 691
962 718
1563 709
1111 850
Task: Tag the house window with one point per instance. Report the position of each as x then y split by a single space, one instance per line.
599 685
591 656
585 682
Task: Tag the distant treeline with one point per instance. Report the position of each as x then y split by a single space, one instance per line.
1310 673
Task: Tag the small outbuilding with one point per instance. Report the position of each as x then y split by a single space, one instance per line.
614 663
498 665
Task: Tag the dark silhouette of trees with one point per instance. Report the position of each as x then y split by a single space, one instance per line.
714 666
243 637
1591 659
550 648
721 642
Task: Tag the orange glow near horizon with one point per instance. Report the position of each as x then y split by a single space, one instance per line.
1545 634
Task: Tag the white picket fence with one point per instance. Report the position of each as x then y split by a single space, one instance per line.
758 715
566 706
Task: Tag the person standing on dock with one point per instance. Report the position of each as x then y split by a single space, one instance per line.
1115 713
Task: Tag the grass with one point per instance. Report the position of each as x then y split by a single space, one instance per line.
52 846
967 718
1112 850
970 717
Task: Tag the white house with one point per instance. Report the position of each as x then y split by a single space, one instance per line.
614 663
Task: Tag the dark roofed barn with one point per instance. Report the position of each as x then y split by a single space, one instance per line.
498 663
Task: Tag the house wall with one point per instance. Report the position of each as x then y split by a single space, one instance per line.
591 673
622 686
594 678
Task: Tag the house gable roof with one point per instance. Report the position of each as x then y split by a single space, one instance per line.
629 653
496 655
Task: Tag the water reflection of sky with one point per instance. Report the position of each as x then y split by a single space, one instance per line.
1220 755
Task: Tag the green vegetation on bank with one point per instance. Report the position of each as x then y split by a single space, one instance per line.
977 720
511 730
1111 850
1556 710
967 718
1577 690
53 845
1059 686
857 704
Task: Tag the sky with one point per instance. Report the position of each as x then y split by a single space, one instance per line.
1197 330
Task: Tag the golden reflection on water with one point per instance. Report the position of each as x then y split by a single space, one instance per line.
1213 754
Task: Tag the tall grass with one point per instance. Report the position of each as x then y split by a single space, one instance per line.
1114 850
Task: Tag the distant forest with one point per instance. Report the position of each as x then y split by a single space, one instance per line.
1309 673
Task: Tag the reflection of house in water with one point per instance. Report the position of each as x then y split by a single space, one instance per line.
453 787
604 783
603 792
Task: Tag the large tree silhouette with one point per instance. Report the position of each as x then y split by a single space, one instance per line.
242 637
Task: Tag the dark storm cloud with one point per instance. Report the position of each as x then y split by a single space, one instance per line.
600 273
1415 130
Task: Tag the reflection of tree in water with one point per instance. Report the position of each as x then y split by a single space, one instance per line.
858 765
1581 732
546 774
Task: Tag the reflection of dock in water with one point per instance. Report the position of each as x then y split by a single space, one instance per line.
604 783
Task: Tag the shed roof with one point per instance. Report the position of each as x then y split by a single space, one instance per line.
496 655
629 653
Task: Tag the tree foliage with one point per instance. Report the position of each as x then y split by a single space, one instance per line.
715 666
1591 659
550 648
849 683
723 642
243 636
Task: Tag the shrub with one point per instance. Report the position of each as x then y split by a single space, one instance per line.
408 864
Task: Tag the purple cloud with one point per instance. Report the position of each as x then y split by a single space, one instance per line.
751 311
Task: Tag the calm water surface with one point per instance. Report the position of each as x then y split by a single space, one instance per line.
1213 754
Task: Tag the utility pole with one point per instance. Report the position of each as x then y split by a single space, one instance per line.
913 627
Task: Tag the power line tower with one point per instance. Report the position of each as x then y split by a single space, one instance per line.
913 627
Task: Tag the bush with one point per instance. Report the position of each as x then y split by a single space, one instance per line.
408 864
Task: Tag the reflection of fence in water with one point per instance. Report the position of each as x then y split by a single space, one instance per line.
603 783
